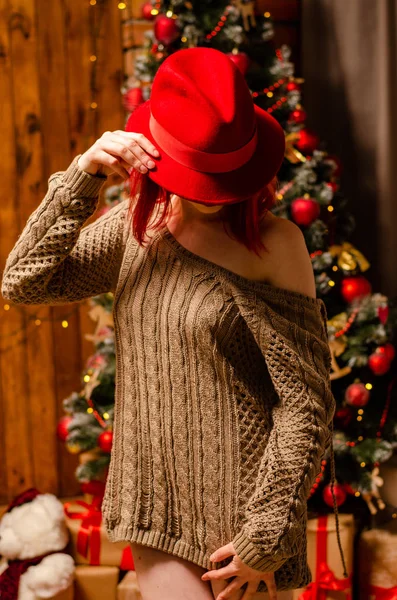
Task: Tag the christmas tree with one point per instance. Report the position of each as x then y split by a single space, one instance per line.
361 323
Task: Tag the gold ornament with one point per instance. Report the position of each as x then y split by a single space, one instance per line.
246 10
369 496
337 347
91 384
73 448
349 257
291 153
103 319
89 455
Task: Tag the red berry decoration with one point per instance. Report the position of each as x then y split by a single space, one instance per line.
339 491
378 363
62 427
388 350
241 60
307 142
105 440
304 210
357 395
298 115
383 314
133 98
335 163
355 287
343 416
334 186
146 11
165 29
292 86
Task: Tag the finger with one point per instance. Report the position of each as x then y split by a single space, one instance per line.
228 591
135 149
272 589
102 157
112 145
223 552
142 139
250 591
223 573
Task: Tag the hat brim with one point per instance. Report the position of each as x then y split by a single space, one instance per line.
216 188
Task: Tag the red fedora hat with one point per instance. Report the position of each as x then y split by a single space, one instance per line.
215 144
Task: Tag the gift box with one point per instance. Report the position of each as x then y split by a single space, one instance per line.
89 543
95 583
324 559
67 594
128 587
377 560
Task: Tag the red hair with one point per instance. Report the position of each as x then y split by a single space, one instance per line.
241 220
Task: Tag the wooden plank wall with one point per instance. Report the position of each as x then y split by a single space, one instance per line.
46 80
46 119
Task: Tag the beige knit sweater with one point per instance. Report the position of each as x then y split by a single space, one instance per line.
223 407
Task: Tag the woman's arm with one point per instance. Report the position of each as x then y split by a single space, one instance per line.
292 334
55 260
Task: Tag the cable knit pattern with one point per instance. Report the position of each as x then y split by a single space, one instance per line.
54 261
223 404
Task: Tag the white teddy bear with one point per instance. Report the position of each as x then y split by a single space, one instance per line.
33 534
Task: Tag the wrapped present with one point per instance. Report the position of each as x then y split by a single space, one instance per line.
67 594
377 560
89 543
95 583
324 561
128 587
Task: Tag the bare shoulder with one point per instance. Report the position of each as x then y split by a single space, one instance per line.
288 263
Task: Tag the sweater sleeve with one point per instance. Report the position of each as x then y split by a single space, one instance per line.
55 260
294 343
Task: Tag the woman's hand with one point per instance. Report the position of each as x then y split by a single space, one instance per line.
241 572
119 151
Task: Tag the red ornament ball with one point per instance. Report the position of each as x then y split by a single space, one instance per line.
339 491
292 86
349 488
357 395
62 427
133 98
378 363
165 29
307 142
304 210
146 11
355 287
241 60
298 115
388 350
105 440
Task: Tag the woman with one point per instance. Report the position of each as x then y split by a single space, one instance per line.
223 406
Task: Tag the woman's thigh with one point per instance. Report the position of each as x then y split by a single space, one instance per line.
218 586
162 576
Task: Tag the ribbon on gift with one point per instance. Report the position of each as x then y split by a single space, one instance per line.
325 579
89 535
381 593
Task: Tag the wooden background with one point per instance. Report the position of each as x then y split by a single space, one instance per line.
47 87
